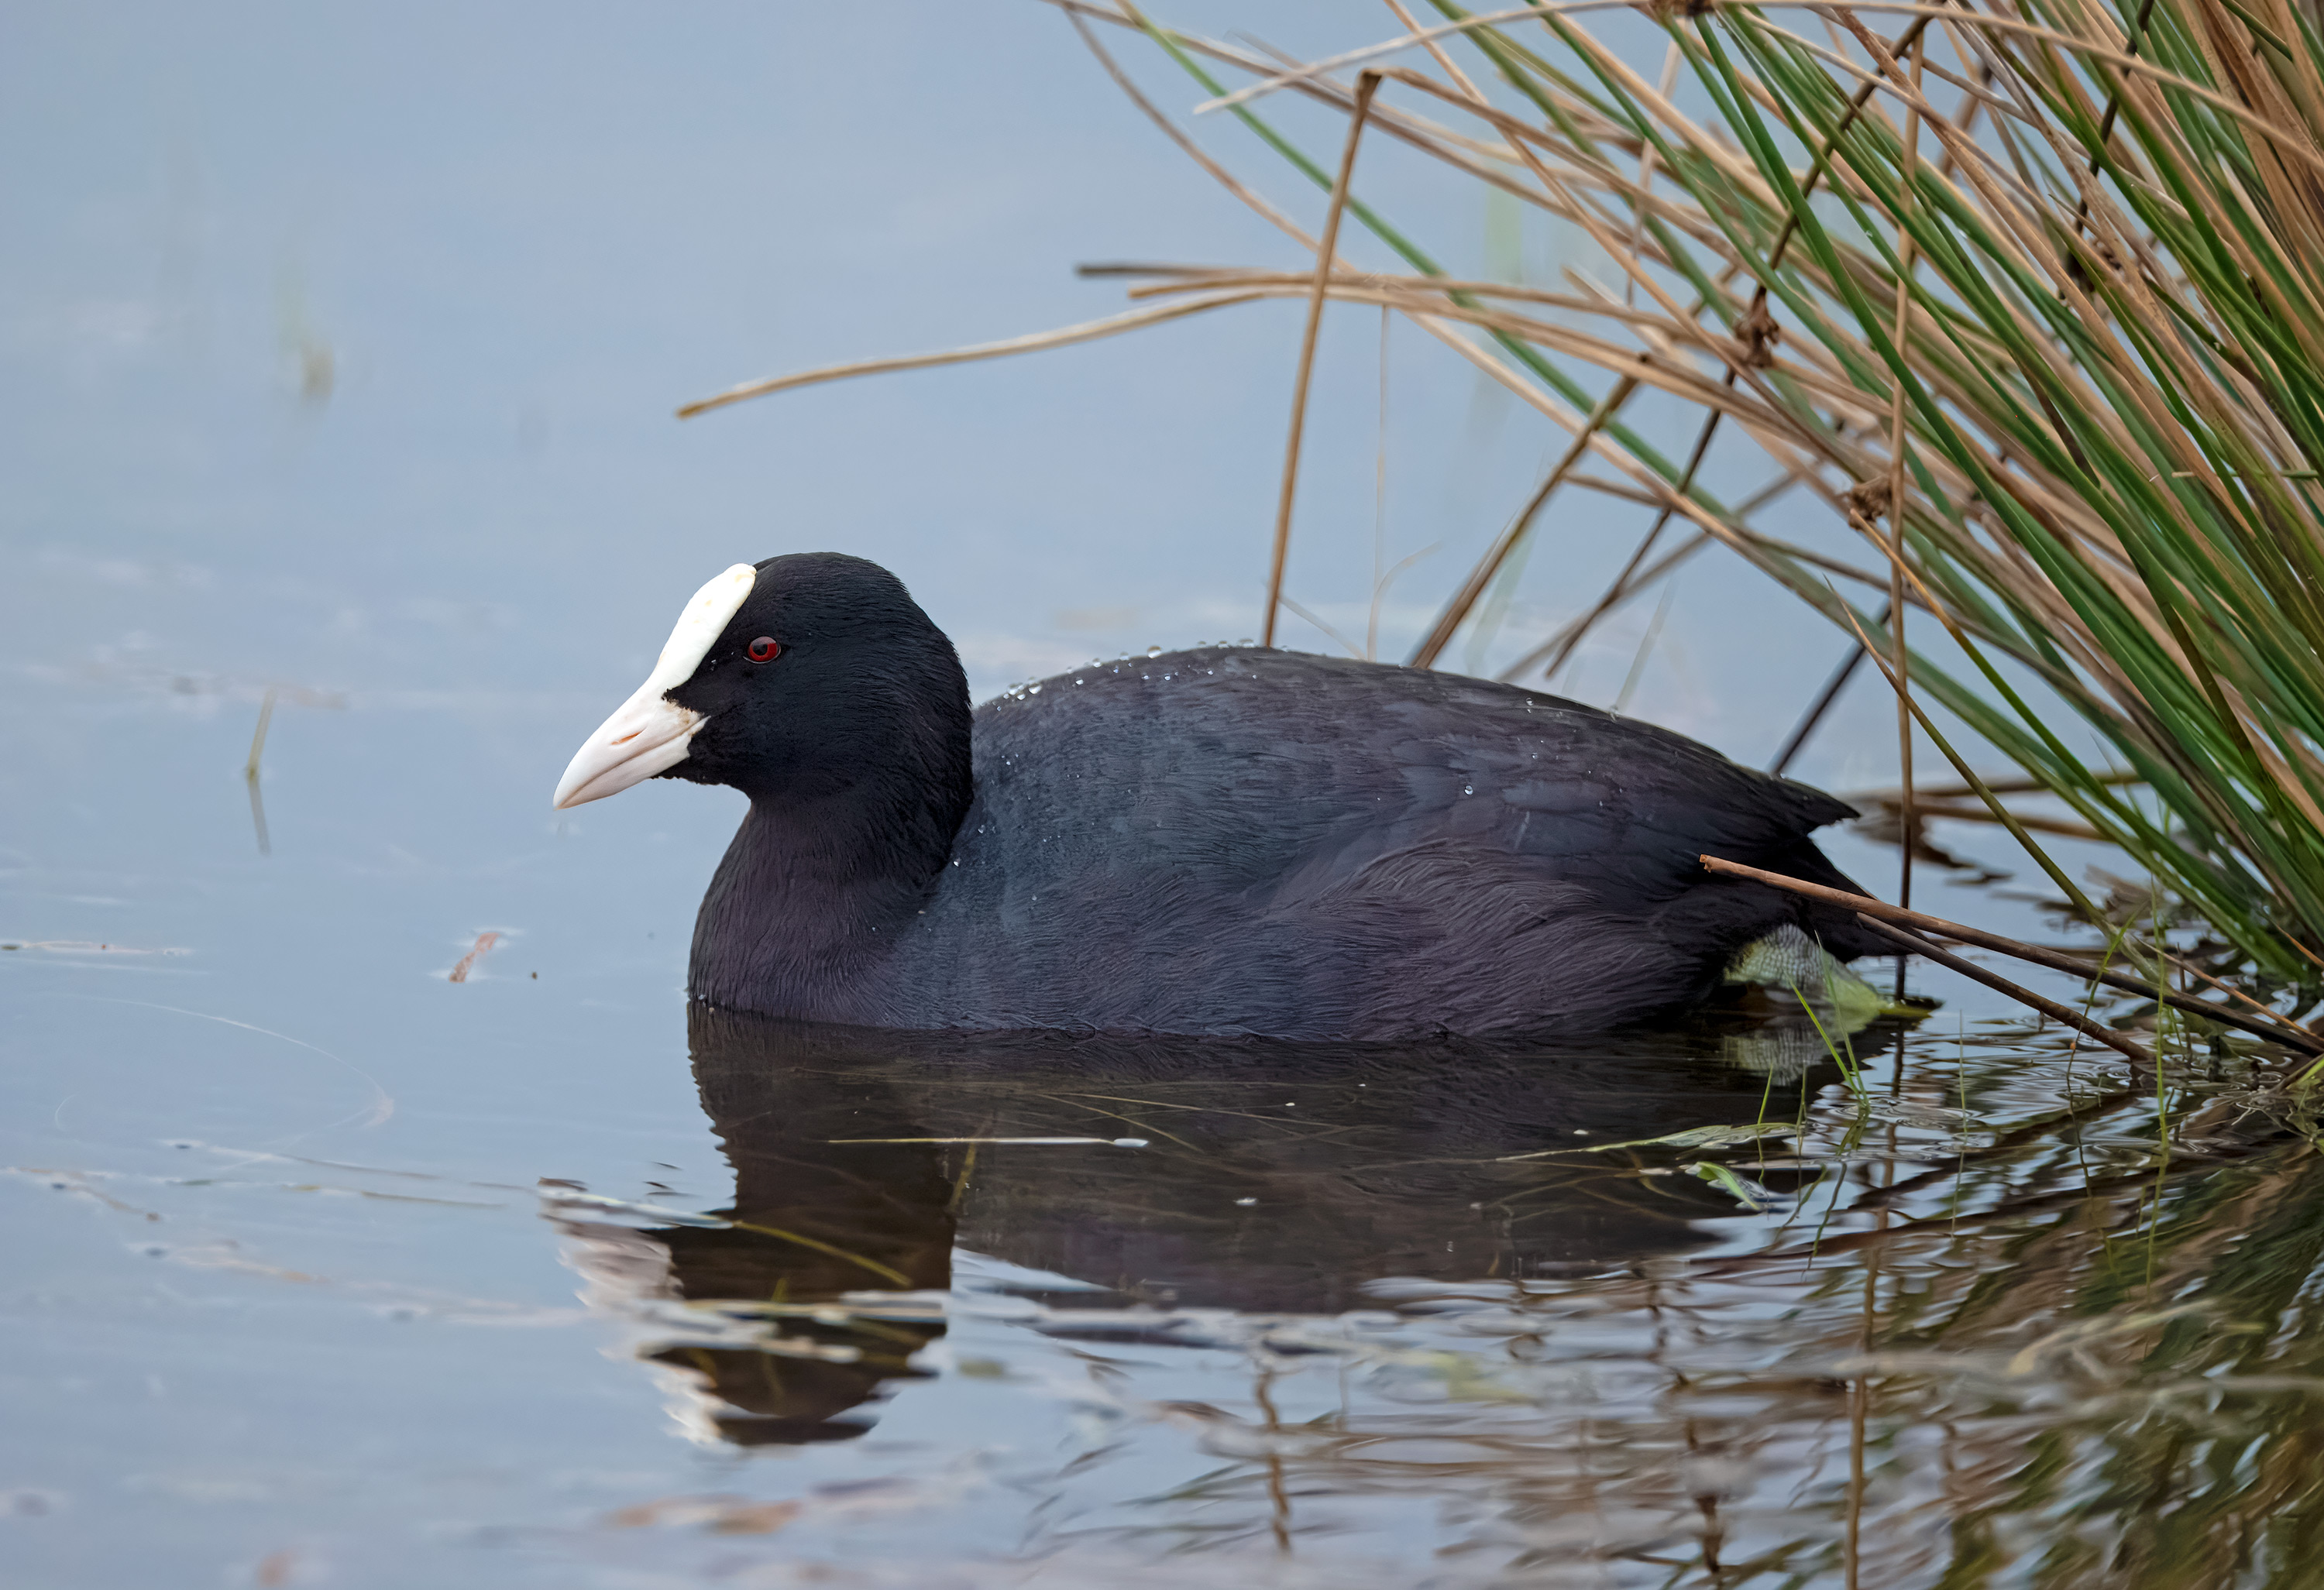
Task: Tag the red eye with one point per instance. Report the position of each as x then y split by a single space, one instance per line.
763 650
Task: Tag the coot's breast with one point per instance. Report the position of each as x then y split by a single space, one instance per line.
1238 840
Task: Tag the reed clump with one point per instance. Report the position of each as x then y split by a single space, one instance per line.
2028 294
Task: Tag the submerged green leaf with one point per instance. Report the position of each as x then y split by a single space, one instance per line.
1753 1197
1692 1138
1739 1188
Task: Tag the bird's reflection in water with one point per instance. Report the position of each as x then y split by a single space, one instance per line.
1272 1179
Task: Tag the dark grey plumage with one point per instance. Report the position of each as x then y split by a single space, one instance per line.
1222 840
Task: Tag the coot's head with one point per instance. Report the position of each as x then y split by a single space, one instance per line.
804 676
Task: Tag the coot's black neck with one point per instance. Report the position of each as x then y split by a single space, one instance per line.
854 750
812 896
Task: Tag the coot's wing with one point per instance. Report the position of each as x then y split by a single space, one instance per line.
1233 839
1615 805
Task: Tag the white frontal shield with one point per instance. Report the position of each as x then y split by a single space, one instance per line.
649 734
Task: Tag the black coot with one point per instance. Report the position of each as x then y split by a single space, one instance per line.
1221 840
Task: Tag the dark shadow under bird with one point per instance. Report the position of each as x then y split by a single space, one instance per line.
1135 1187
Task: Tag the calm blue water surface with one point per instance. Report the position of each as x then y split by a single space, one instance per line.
340 352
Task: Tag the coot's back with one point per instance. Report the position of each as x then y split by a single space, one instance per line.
1239 841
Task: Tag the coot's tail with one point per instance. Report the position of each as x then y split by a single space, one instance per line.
1835 925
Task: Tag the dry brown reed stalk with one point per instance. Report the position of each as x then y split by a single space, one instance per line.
1900 659
1922 812
1456 610
485 943
1038 342
250 773
1326 250
2067 1015
2277 1030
